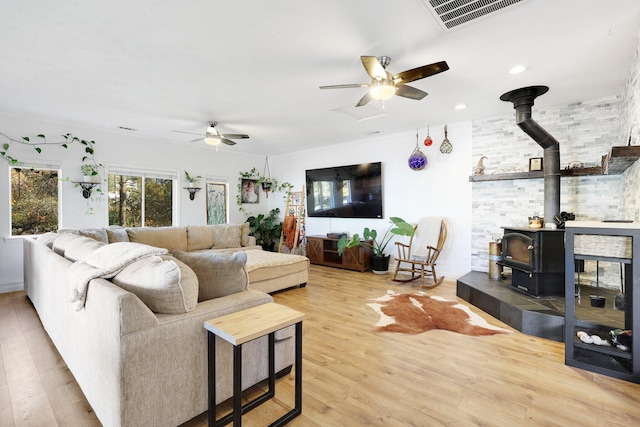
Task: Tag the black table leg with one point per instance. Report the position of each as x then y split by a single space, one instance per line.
211 338
237 385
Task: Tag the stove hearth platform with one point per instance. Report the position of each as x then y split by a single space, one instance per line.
538 316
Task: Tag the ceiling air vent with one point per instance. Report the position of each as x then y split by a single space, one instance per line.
452 13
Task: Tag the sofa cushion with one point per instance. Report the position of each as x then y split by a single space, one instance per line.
219 274
164 283
48 238
170 238
244 234
199 237
63 241
116 256
81 247
99 234
227 236
117 234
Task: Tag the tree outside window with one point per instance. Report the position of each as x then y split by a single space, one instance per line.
136 200
34 200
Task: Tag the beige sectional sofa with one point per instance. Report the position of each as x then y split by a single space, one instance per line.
136 343
268 271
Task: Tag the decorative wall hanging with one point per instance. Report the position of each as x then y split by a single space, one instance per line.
428 141
417 159
446 147
249 191
266 173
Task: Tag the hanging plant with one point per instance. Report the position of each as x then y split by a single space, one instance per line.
267 183
90 167
260 180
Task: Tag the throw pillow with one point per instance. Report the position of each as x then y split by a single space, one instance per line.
219 274
81 247
63 241
117 234
163 283
227 236
99 234
47 238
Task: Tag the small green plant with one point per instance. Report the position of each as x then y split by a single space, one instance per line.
88 169
191 179
398 227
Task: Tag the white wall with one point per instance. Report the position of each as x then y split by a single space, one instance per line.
443 188
113 147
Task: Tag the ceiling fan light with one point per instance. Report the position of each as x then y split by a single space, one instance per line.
212 140
382 90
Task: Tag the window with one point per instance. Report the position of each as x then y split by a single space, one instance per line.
34 200
138 198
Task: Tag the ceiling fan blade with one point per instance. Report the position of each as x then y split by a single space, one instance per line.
234 136
374 67
190 133
197 139
410 92
364 100
345 86
420 72
227 141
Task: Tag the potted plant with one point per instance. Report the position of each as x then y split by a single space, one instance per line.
192 181
266 229
379 261
89 172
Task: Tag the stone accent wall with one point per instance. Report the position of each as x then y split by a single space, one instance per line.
631 132
586 131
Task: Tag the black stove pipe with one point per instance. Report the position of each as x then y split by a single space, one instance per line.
522 100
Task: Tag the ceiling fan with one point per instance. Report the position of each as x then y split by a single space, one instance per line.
384 85
213 137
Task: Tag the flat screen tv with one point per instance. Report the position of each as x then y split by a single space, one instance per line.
353 191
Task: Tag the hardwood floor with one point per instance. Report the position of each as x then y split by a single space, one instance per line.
352 376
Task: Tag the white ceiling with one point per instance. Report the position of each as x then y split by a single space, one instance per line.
255 66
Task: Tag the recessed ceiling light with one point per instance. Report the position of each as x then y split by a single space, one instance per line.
517 69
460 107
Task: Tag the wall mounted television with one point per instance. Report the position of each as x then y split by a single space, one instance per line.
353 191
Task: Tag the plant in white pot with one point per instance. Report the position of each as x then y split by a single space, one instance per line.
192 180
379 261
89 173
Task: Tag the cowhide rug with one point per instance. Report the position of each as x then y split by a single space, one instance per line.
414 314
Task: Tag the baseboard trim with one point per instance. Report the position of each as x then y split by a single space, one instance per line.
11 287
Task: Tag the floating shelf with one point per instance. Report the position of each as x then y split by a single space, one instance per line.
192 191
615 162
536 174
620 159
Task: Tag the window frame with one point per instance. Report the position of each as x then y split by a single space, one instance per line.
171 174
34 164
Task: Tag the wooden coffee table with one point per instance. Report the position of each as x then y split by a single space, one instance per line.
239 328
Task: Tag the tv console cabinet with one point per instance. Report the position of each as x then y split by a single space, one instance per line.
323 250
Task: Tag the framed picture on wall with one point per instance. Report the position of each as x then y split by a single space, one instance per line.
535 164
216 203
250 191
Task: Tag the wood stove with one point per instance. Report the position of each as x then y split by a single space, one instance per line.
536 259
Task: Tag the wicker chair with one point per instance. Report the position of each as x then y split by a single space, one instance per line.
419 256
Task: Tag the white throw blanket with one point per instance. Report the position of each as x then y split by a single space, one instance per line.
105 262
427 234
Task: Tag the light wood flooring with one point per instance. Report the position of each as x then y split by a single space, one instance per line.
352 376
